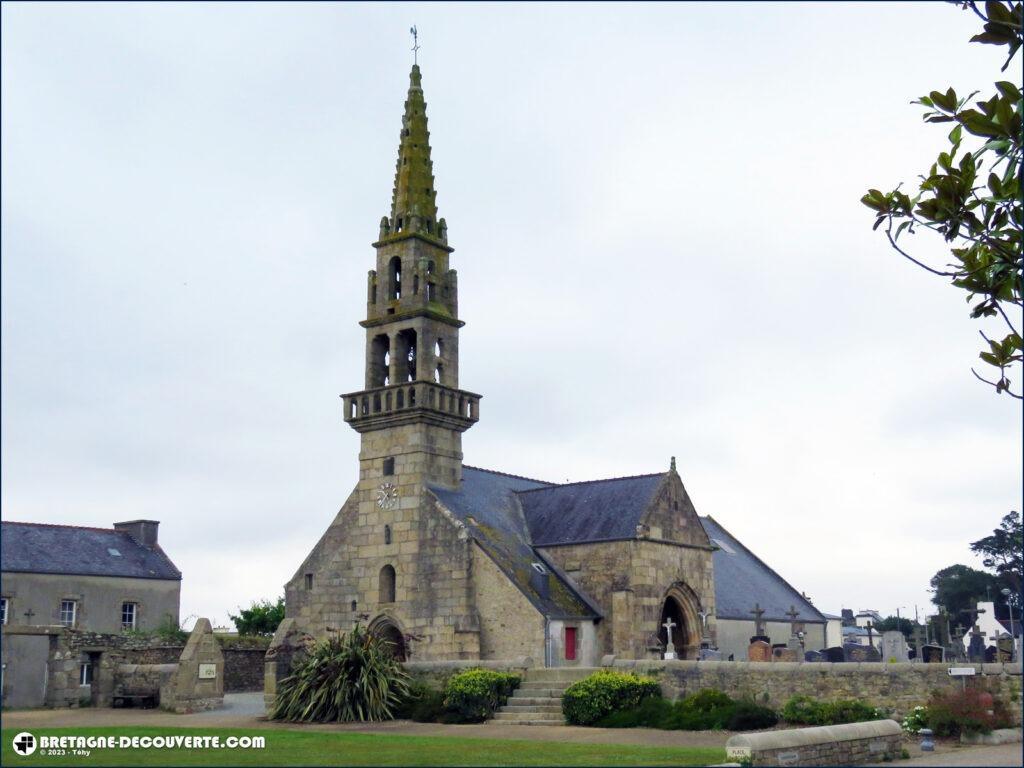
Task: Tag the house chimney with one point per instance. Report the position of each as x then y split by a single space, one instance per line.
143 531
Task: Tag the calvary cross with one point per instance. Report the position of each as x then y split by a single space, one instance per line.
669 625
758 622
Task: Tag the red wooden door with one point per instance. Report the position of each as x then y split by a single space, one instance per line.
570 643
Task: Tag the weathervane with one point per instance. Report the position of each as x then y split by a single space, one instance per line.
415 44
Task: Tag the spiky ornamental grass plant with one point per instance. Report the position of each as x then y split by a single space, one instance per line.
347 677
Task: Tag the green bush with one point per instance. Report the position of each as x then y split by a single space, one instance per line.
474 694
706 710
748 716
588 700
652 712
422 704
349 676
803 710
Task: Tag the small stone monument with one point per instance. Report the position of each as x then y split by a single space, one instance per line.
759 650
198 682
933 654
894 647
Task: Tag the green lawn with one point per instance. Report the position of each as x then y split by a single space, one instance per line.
297 747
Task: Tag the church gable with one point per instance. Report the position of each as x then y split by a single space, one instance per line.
671 516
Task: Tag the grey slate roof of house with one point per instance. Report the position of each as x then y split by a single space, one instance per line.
598 510
39 548
741 579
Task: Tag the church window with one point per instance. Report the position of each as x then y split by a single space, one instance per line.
412 397
438 348
430 267
389 464
353 409
386 585
309 581
380 360
438 372
415 285
431 292
395 270
354 605
387 534
430 224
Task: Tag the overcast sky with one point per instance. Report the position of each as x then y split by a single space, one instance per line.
660 248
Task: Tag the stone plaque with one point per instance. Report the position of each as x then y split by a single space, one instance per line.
737 753
789 758
759 650
207 671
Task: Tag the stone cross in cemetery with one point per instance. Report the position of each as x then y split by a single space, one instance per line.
956 643
869 626
792 613
759 628
976 650
669 625
919 642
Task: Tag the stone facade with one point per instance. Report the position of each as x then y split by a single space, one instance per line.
510 627
898 687
631 579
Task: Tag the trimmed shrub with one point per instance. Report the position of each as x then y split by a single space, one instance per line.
803 710
971 711
423 704
349 676
588 700
653 712
748 716
473 695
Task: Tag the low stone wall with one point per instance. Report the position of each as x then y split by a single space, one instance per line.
872 742
435 674
142 679
243 669
897 688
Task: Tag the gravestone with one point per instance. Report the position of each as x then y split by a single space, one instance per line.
976 649
759 650
782 653
796 646
709 654
861 653
835 654
1005 648
894 646
933 654
814 656
991 654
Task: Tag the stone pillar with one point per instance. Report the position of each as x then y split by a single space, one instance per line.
198 683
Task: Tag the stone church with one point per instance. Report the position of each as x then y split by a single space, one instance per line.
448 561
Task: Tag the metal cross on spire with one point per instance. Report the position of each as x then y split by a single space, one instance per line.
415 44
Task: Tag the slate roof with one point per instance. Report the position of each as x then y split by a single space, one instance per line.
486 504
67 549
598 510
741 579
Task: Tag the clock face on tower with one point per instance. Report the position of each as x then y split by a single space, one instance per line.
387 496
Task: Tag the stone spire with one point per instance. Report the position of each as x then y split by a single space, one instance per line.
413 203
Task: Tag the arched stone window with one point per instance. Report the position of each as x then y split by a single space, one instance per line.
386 585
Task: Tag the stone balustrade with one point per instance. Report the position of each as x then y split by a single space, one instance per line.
369 406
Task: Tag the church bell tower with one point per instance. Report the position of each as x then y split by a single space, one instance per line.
411 413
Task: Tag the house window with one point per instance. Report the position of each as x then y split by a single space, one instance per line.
129 615
68 612
85 673
3 610
309 581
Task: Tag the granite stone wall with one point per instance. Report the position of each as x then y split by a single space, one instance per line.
850 744
243 669
895 687
435 674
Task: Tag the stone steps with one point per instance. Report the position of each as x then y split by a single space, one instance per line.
538 699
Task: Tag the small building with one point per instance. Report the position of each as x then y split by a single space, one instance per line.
98 579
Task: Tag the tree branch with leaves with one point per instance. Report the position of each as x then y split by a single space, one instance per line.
980 217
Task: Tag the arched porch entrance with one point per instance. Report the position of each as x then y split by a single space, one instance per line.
682 607
385 628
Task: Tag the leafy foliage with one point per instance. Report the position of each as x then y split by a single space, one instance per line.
1003 551
967 711
704 711
474 694
347 677
422 704
588 700
261 618
915 720
958 588
804 710
980 217
896 623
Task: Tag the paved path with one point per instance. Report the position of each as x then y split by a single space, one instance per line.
1004 754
